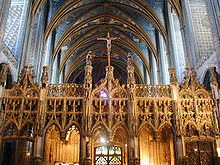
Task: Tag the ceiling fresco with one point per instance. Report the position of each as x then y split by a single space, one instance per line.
78 23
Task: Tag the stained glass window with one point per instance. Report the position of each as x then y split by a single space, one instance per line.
108 155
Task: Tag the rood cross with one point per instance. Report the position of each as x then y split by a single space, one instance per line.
109 45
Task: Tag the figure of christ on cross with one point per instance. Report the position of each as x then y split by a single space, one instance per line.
109 45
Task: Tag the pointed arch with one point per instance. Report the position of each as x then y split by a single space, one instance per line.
99 127
10 128
50 124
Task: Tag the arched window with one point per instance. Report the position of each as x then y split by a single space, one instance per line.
60 152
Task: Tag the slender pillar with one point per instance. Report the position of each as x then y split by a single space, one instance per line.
161 73
134 150
54 71
37 159
133 141
172 51
178 140
37 50
189 42
26 52
164 60
152 77
86 140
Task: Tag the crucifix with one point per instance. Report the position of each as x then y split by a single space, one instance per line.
109 44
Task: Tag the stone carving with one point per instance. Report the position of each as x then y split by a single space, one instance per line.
45 77
213 77
173 78
110 104
3 73
89 58
109 45
190 80
130 60
88 81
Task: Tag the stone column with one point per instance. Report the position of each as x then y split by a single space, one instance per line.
164 60
161 73
189 42
26 52
178 141
38 156
82 149
86 141
133 141
54 71
133 150
37 159
152 76
170 53
88 158
37 50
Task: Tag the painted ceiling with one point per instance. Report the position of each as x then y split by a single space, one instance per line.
78 23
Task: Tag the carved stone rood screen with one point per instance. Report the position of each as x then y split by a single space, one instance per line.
70 122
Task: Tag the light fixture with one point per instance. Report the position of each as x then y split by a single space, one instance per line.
28 154
102 140
103 94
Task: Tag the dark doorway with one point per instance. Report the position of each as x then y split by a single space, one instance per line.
9 152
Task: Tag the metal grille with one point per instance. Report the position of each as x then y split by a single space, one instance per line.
108 155
200 153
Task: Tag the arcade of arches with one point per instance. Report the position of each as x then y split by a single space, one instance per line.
109 82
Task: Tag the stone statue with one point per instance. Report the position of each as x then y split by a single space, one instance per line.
130 60
3 73
89 58
45 77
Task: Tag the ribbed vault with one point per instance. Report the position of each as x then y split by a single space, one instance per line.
76 25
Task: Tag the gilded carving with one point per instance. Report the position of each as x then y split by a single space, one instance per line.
45 77
3 73
173 78
109 104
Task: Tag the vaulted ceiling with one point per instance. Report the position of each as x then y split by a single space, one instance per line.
76 25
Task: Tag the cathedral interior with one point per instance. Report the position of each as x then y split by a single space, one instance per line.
109 82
